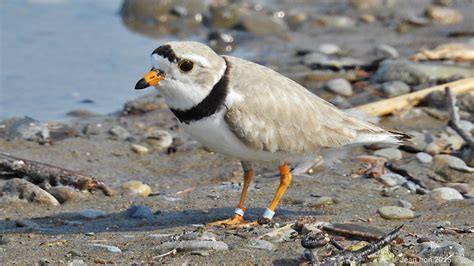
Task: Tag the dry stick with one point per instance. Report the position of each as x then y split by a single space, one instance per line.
388 106
52 174
362 254
454 118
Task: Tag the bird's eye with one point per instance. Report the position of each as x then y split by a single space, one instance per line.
185 65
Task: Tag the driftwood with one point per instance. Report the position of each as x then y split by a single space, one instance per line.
41 172
388 106
361 255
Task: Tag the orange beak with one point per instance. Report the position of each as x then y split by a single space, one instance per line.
152 78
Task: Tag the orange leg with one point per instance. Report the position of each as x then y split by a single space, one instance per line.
285 180
237 220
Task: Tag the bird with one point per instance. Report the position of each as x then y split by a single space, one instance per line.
252 113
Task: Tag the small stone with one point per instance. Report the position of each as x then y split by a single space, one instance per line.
159 139
66 194
77 263
139 212
466 125
4 240
386 51
75 253
310 228
392 179
204 236
329 48
463 188
405 204
424 157
108 248
283 234
179 11
139 149
368 18
457 260
395 213
389 153
143 105
340 102
436 147
444 194
333 21
321 202
418 141
92 214
452 162
442 250
395 88
202 253
136 188
443 15
263 24
260 244
119 133
339 86
26 128
23 189
194 245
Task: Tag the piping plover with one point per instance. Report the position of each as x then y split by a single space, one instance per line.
252 113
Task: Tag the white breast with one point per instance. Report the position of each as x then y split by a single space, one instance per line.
214 133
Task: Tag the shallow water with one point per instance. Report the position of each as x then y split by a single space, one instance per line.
57 53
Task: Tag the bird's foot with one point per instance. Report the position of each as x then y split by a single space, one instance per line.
234 222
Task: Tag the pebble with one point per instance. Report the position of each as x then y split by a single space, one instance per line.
368 18
392 179
4 240
424 157
418 141
75 252
444 194
441 250
205 236
202 253
339 86
395 213
23 189
321 202
310 228
405 204
436 147
263 24
119 133
26 128
194 245
109 248
334 21
463 188
260 244
457 260
340 102
92 214
453 162
317 60
329 48
77 263
395 88
143 105
65 194
389 153
443 15
179 11
386 51
139 212
283 234
159 139
139 149
137 188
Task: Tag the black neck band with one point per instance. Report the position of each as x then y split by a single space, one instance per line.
210 105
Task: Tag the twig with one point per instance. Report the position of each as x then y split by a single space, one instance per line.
54 175
362 254
388 106
454 118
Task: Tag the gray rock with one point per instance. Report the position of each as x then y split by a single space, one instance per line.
205 236
23 189
91 214
202 253
340 102
339 86
108 248
424 157
77 263
466 125
260 244
386 51
139 212
4 240
417 73
143 105
389 153
261 24
418 142
26 128
321 202
283 234
194 245
442 250
92 129
457 260
463 188
395 213
405 204
395 88
392 179
452 162
329 48
444 194
333 21
159 139
119 133
179 11
318 60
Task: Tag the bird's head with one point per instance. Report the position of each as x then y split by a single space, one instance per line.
184 73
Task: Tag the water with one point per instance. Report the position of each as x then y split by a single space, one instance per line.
57 53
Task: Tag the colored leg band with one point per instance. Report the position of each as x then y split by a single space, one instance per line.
268 213
239 211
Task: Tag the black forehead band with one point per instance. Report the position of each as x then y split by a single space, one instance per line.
165 51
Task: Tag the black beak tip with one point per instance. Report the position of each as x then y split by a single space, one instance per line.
141 84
